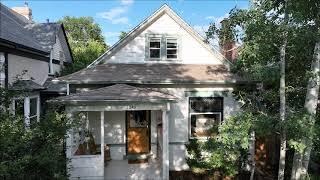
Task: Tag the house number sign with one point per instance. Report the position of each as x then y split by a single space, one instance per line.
132 107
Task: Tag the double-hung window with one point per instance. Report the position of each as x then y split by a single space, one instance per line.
206 114
172 48
155 48
161 47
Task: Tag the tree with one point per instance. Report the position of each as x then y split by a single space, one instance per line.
30 153
122 34
86 41
308 12
262 33
283 140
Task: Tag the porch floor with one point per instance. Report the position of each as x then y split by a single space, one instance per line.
121 170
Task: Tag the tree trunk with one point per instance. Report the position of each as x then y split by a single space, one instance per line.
283 142
301 160
252 154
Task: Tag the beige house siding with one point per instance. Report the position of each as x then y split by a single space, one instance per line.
36 69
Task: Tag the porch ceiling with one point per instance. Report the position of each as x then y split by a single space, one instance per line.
118 93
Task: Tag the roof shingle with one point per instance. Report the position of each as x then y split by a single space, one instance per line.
118 93
17 29
152 73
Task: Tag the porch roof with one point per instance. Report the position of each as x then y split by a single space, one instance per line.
118 93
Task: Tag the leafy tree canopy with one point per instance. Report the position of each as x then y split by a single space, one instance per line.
86 41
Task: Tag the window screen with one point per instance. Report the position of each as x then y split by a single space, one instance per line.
205 115
172 48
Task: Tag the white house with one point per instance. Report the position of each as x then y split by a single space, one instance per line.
144 99
30 55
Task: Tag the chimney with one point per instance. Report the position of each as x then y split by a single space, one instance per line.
229 50
24 11
228 45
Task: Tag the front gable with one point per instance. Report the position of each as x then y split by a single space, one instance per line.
164 25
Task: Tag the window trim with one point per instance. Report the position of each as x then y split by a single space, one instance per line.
216 112
26 108
163 47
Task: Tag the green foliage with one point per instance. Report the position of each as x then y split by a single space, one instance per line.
30 153
122 34
86 42
225 152
82 29
83 55
259 31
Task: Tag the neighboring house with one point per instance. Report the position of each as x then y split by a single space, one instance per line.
143 100
30 55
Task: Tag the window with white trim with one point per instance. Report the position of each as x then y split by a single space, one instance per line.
28 107
155 48
162 47
206 114
172 48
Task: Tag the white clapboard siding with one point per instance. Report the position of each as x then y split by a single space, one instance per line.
192 51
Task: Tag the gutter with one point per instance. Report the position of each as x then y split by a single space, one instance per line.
166 82
24 48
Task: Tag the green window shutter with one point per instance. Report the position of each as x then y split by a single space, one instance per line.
163 51
147 44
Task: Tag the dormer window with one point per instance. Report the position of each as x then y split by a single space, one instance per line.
155 48
162 47
172 48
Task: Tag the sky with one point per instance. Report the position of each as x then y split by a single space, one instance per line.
114 16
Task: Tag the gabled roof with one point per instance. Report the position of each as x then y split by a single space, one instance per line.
16 29
164 9
153 73
118 93
44 33
13 29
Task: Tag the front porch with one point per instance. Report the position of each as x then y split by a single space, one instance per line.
129 129
120 169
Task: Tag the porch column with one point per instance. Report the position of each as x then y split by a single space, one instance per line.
165 143
27 111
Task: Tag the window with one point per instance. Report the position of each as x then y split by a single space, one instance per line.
138 119
172 48
205 115
33 110
86 139
19 107
162 47
155 48
28 107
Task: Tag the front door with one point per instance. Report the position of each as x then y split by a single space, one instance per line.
138 132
